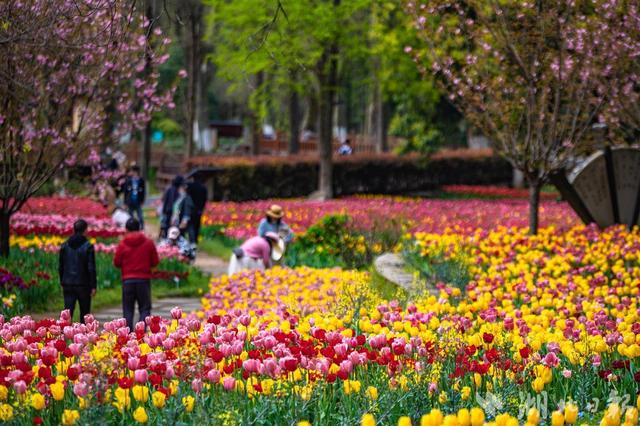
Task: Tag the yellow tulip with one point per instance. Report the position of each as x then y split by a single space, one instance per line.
571 413
188 402
464 417
368 420
4 393
70 417
140 393
404 421
533 416
140 415
37 401
557 418
158 398
477 416
57 391
372 393
6 412
631 416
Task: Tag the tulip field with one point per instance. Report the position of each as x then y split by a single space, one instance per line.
540 329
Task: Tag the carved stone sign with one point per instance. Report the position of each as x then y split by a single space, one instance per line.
604 188
591 183
626 169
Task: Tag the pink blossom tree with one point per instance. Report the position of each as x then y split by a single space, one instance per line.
531 75
71 77
621 27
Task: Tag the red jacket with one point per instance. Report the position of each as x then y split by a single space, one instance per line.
135 256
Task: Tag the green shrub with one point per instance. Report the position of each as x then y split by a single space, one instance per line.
336 241
241 179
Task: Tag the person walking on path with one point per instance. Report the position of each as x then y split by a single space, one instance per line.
169 198
256 253
134 194
77 269
198 193
135 256
273 223
182 216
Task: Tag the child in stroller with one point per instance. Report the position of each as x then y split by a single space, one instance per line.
175 239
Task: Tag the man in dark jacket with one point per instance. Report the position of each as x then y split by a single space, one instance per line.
198 193
168 200
77 268
134 194
136 256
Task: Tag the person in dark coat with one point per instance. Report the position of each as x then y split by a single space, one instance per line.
77 269
183 210
198 193
134 194
169 198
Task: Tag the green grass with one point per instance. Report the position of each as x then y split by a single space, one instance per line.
215 247
196 284
214 243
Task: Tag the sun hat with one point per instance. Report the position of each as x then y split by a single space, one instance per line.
173 233
275 211
277 249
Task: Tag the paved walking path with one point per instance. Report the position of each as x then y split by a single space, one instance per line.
393 267
212 266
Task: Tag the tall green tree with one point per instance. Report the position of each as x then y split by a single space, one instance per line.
301 44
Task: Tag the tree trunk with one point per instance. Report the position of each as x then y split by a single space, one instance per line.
146 151
256 128
150 13
295 119
381 129
327 100
4 234
534 203
193 53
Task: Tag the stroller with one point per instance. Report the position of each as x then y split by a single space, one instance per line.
175 239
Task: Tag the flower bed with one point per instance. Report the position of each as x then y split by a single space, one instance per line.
54 224
546 332
240 220
52 243
79 207
495 192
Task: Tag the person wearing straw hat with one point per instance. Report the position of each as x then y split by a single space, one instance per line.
257 253
273 223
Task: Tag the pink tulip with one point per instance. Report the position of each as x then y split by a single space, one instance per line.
229 383
176 313
213 376
133 363
65 315
20 387
140 376
196 385
81 389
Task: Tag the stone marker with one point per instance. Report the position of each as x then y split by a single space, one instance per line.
626 168
590 182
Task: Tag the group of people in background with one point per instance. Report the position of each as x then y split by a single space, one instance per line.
183 204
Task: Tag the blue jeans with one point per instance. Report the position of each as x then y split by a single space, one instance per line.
137 211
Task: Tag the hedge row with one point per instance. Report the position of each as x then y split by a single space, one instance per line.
371 174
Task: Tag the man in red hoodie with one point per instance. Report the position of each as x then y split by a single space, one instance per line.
135 256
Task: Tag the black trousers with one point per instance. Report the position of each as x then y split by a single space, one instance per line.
136 291
197 222
80 294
